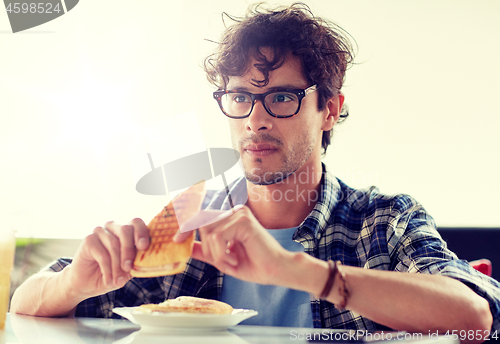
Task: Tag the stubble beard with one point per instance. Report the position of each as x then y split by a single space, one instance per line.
291 161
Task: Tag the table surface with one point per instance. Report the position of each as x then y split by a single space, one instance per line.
27 329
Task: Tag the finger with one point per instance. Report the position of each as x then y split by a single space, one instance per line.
218 243
181 237
112 244
125 235
101 255
198 252
231 253
201 219
239 251
215 244
209 218
230 269
205 247
216 236
141 234
211 246
230 256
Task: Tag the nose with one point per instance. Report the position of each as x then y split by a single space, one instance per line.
259 119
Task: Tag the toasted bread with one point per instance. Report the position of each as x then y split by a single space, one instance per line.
163 256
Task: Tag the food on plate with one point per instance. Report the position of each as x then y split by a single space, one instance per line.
189 304
163 256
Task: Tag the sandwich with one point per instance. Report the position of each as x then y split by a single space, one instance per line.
163 256
189 304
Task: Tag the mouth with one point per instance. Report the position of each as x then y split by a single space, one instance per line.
260 149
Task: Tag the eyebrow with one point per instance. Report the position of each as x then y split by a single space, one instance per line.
243 88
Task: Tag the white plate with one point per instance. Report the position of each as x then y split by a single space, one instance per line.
159 321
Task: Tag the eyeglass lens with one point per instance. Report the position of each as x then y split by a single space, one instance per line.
278 103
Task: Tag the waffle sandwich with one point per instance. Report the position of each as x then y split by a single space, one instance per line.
163 256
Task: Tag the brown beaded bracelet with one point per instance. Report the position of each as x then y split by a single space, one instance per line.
343 288
332 271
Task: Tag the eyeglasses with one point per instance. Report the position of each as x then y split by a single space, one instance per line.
278 102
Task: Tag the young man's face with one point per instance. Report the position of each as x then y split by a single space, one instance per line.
273 148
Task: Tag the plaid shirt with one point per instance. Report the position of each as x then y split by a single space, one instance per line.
360 228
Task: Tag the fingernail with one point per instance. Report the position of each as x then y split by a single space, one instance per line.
120 280
237 207
142 243
232 260
127 266
108 281
176 237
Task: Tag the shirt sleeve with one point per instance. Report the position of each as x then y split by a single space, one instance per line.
420 249
135 292
139 291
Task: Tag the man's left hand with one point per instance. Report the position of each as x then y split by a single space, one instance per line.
238 245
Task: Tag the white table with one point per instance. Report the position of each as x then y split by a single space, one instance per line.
27 330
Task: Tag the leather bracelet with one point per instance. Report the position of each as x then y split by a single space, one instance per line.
343 290
332 271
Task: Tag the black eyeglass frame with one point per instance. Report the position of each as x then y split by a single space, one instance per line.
300 93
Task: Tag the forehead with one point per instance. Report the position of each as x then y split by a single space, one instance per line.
289 74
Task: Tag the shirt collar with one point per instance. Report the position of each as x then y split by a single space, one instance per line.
316 221
329 196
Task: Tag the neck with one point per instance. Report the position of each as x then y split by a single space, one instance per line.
287 203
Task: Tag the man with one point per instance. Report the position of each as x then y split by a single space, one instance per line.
280 74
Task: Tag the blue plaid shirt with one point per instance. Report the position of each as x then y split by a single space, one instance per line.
359 227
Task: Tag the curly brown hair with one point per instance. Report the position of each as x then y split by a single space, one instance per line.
322 46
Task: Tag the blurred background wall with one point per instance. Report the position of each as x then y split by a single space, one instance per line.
77 92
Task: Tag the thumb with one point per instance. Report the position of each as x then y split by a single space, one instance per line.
181 237
198 252
203 218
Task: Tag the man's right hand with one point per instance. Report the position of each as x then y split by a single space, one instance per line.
105 257
101 264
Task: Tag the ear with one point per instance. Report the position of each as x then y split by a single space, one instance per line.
332 111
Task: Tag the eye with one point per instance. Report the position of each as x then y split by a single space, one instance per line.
241 98
283 97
